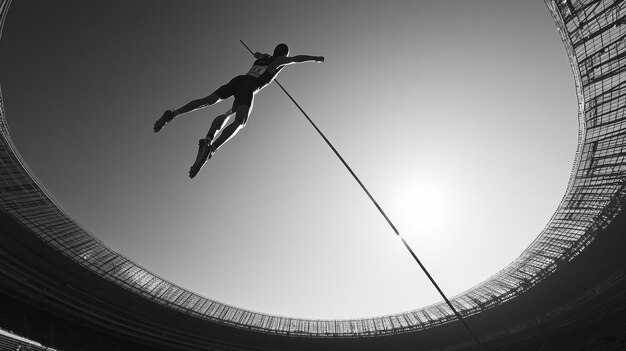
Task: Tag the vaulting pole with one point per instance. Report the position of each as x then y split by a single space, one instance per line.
456 313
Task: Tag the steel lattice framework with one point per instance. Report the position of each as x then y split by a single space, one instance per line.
594 35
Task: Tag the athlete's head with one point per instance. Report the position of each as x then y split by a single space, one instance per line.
281 50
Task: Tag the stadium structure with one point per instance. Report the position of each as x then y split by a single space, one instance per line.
63 289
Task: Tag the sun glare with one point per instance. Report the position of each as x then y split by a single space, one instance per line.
421 207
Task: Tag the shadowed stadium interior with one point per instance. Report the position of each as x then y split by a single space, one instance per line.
63 288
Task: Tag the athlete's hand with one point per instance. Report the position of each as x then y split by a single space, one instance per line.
320 59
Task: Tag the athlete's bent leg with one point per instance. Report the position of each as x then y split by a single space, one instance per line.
218 123
241 118
206 149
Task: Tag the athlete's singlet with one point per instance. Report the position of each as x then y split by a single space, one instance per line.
260 72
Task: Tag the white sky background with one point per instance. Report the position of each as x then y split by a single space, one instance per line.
459 116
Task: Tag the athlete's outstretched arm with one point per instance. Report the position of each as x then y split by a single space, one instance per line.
302 59
284 61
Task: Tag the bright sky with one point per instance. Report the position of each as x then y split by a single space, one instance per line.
460 117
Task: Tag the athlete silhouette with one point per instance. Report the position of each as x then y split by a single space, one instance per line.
264 70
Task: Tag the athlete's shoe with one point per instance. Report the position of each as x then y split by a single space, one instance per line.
205 151
167 117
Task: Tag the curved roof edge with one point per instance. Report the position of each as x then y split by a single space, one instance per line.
595 43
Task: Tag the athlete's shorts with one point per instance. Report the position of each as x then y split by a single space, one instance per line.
241 87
